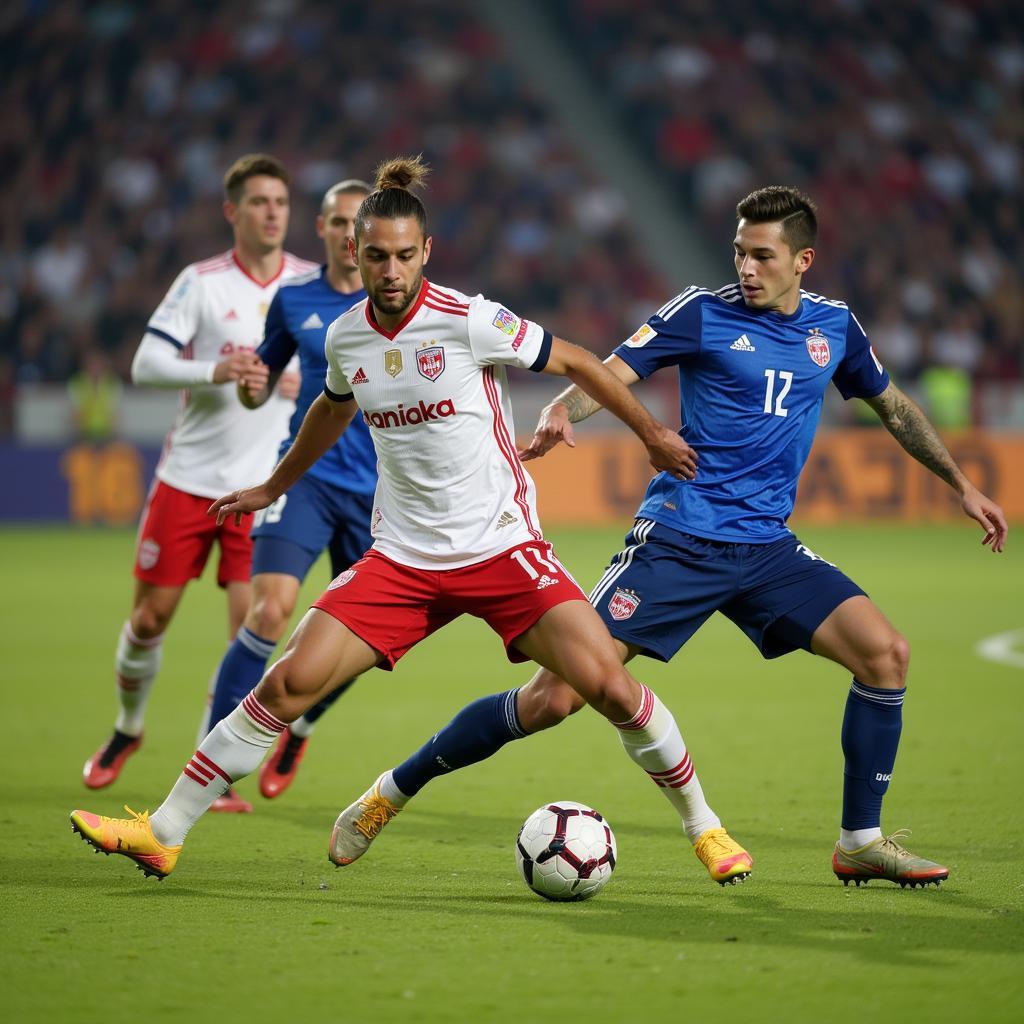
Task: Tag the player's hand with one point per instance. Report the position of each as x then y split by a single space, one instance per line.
669 453
989 514
245 367
240 503
288 384
552 427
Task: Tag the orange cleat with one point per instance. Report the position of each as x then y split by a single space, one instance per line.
279 769
131 837
105 765
727 862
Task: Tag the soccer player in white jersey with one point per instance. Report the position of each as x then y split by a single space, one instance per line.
202 339
454 524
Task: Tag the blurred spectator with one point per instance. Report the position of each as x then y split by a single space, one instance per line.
94 392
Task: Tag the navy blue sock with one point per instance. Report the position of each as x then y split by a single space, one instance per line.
241 668
477 731
321 706
871 734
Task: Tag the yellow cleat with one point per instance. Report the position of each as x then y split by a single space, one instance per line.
359 824
725 859
132 837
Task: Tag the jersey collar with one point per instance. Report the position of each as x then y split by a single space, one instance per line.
262 284
371 317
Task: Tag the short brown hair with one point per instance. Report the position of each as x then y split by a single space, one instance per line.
249 166
789 206
391 197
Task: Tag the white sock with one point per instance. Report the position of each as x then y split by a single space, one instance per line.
855 838
390 791
652 739
301 728
136 662
231 751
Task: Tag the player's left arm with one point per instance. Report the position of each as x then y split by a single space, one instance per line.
906 422
667 450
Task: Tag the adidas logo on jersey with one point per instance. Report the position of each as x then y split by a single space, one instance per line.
360 377
506 519
545 581
230 315
312 322
742 344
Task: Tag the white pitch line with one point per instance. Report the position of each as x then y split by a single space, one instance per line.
1006 648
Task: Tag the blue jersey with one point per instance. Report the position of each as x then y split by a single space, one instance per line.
297 320
751 385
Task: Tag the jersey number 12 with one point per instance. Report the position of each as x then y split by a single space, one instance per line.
770 398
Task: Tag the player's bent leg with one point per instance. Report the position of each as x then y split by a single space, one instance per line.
136 664
857 635
572 640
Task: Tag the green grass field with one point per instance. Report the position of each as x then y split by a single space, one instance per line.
433 925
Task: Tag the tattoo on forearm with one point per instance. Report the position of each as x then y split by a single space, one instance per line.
578 404
905 421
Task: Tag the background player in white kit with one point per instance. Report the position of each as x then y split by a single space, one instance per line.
201 337
455 525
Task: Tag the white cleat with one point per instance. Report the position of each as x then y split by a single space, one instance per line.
359 824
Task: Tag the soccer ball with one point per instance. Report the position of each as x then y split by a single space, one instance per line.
565 851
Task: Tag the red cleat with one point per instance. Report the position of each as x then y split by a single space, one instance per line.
105 765
229 802
279 770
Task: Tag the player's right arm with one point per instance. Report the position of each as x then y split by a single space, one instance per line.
571 406
158 361
325 422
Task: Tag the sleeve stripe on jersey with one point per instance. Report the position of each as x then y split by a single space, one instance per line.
167 337
544 354
670 309
334 397
435 293
444 309
508 450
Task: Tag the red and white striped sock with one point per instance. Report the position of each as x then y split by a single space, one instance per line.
136 663
652 739
230 751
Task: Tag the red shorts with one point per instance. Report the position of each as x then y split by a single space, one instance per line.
176 535
393 607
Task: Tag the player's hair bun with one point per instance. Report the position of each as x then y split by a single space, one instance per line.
402 172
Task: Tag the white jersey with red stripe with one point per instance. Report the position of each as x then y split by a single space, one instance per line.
214 308
451 490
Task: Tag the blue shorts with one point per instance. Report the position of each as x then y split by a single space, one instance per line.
664 585
290 535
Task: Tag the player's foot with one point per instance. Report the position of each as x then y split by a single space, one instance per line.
884 858
105 765
229 802
132 837
279 769
725 859
359 824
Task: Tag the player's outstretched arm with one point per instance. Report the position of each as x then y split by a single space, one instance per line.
906 422
325 422
606 385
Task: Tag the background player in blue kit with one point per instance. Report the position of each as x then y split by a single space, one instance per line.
754 361
329 508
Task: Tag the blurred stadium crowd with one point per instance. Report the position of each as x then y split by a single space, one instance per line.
903 120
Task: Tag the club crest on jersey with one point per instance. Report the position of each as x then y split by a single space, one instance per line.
340 581
505 321
817 347
623 604
393 362
430 362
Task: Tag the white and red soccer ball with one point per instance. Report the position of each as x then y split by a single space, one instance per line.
565 851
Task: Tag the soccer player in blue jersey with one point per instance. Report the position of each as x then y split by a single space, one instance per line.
328 509
754 360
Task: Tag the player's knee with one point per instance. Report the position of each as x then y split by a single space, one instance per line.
268 615
887 663
149 621
545 701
